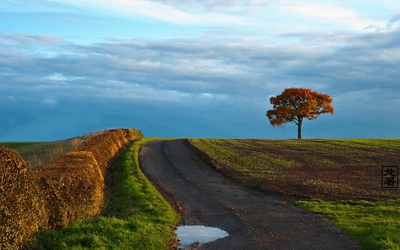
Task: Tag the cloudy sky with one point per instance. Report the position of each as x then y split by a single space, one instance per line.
196 68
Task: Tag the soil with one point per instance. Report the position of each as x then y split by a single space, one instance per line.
253 219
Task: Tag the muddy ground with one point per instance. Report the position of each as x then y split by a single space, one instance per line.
254 220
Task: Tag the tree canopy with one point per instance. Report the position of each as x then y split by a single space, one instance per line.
295 104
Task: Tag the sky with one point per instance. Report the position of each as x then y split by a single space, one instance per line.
196 68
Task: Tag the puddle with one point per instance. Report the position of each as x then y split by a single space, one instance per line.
188 235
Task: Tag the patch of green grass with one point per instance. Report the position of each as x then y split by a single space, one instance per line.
16 145
37 154
375 225
137 216
369 143
244 156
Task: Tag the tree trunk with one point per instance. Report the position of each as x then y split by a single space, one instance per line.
299 123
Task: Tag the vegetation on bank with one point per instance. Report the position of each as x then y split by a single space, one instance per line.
136 217
375 225
73 188
341 179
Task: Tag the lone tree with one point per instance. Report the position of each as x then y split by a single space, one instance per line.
295 104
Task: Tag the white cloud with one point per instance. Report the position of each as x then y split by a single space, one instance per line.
332 13
157 10
394 22
60 77
51 102
229 6
128 8
323 11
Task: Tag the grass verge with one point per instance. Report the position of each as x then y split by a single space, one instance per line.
137 216
375 225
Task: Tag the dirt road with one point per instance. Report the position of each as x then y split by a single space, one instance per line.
253 220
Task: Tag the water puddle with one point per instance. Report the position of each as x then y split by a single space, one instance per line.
188 235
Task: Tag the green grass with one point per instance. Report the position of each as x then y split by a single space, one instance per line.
137 216
244 156
37 154
375 225
17 145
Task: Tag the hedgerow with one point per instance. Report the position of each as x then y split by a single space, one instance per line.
69 189
72 187
21 206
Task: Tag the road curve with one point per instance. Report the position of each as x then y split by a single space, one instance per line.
253 220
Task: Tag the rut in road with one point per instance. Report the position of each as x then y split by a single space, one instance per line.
253 220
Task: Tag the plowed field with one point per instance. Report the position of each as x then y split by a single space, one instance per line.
326 169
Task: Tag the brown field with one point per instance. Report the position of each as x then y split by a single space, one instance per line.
328 169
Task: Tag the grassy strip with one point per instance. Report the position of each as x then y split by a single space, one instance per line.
375 225
136 218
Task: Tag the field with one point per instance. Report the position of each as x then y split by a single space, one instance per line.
338 179
341 179
37 154
326 169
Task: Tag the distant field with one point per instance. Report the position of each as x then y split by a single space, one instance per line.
341 179
37 154
323 168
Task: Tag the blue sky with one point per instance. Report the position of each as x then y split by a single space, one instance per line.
191 68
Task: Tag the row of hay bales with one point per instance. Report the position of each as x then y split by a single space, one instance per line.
70 189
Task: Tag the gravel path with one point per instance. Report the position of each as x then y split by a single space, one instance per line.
253 220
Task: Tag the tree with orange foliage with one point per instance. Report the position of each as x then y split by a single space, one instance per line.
295 104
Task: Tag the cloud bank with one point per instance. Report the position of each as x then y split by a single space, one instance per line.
208 85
